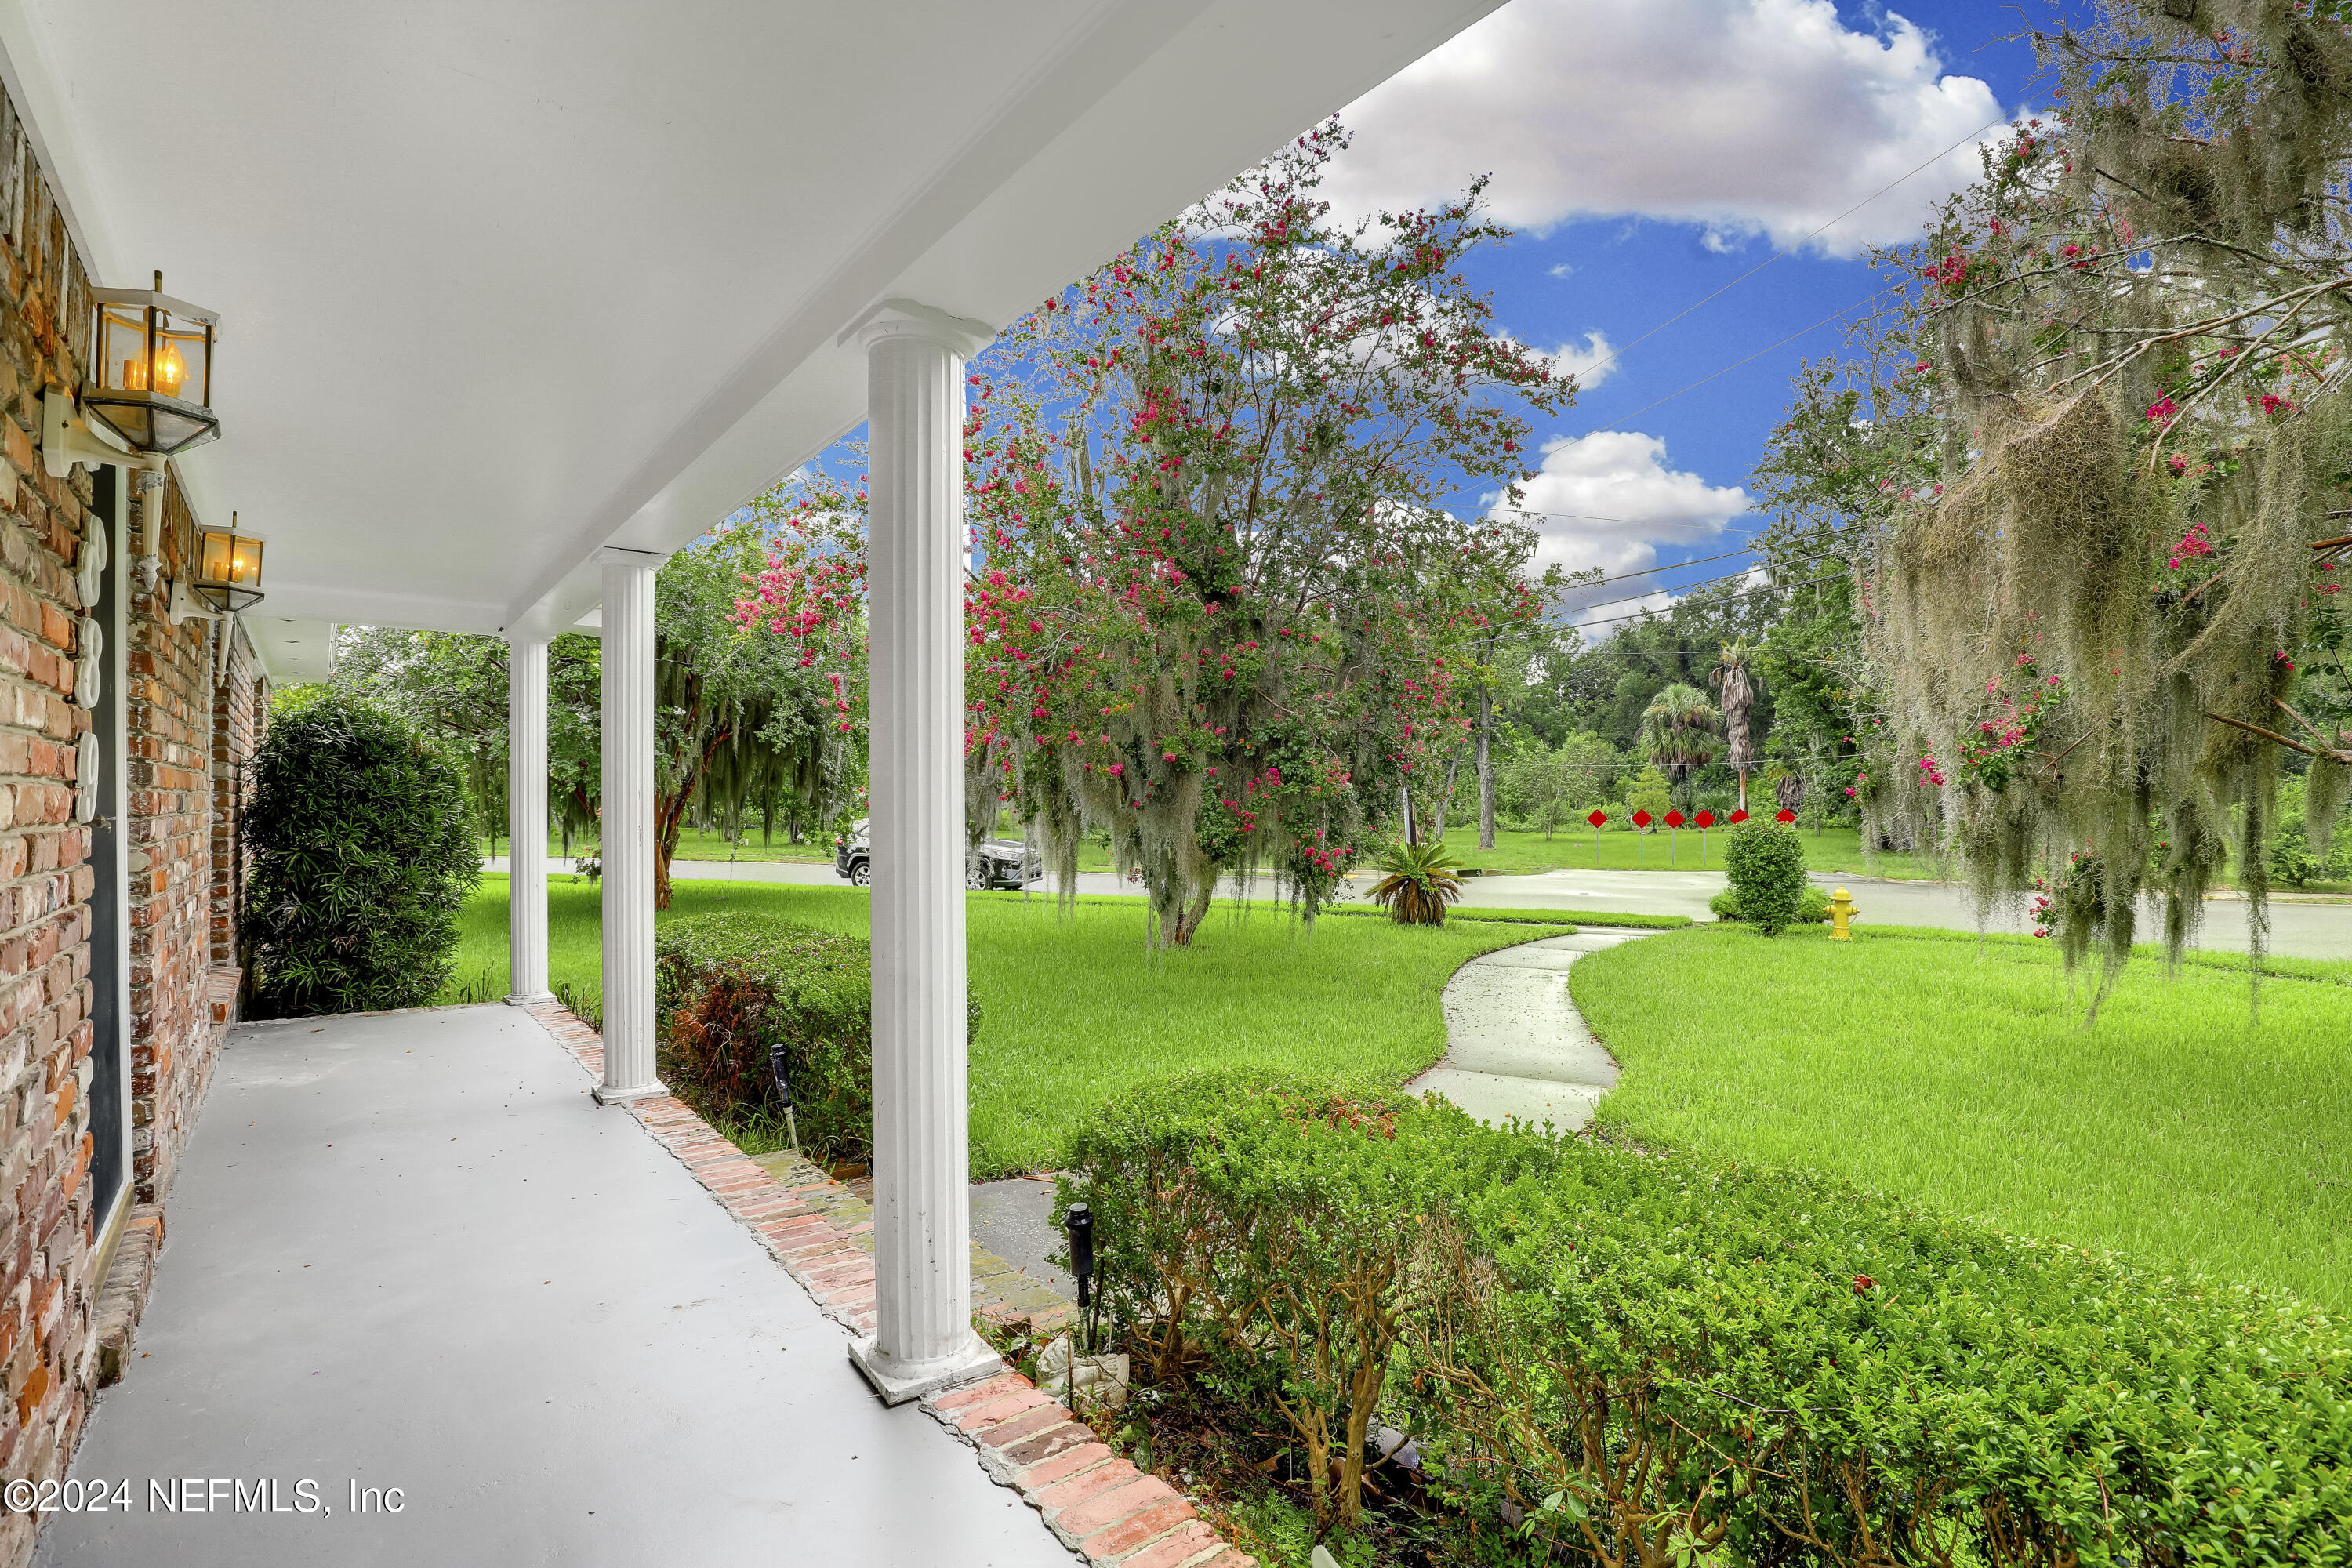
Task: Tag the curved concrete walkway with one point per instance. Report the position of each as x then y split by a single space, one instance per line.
1515 1044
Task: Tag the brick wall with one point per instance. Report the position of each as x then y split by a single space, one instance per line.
240 714
48 1360
45 1142
169 769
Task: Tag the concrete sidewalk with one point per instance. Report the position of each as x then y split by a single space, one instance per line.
408 1251
1515 1044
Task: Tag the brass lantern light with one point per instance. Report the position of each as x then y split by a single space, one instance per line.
150 379
228 567
224 579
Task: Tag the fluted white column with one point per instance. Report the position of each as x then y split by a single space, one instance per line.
527 819
628 836
922 1261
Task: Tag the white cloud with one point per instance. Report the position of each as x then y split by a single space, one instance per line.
1609 501
1562 269
1590 365
1744 116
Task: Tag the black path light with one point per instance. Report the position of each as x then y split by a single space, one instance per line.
777 1062
1080 1224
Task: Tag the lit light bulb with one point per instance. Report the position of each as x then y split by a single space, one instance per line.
170 370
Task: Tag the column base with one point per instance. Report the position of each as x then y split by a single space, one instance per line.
530 999
897 1382
605 1096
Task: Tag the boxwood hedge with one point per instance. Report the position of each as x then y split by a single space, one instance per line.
1650 1360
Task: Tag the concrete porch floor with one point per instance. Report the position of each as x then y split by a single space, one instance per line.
408 1250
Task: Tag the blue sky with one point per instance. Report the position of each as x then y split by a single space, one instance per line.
1650 152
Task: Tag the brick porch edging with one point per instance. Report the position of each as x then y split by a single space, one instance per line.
1096 1503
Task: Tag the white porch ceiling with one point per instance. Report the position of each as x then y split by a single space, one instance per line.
503 281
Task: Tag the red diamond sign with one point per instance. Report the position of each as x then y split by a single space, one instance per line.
1641 819
1705 819
1674 819
1740 815
1597 818
1784 815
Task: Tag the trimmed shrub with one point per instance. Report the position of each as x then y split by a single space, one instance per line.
1273 1231
1641 1359
1813 906
729 987
1765 863
361 841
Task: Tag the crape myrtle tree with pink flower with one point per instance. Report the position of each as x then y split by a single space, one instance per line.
1217 608
2116 607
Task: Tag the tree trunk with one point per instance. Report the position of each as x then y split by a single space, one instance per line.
1486 770
1445 797
1743 789
1190 915
661 870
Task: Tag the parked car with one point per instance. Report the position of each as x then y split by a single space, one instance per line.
994 863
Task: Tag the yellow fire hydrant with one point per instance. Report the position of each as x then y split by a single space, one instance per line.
1841 911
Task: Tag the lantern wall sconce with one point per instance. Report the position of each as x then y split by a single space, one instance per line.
149 378
147 391
227 575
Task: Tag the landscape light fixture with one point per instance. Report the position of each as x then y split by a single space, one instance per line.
150 379
778 1064
1080 1224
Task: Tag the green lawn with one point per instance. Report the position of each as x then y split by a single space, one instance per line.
693 846
1960 1073
1832 849
1074 1010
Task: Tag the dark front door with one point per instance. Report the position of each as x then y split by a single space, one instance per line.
104 818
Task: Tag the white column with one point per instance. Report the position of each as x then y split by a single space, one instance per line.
527 818
628 837
922 1262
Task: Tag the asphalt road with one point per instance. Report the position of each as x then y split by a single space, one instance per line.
2302 926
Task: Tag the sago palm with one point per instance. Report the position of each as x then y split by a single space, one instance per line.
1422 880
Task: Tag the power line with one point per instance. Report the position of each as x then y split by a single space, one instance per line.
1612 355
1681 587
1671 566
1726 370
1636 522
1766 588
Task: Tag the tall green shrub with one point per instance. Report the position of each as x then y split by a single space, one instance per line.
1765 863
360 840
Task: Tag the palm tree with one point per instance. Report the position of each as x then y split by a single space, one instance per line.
1679 732
1735 687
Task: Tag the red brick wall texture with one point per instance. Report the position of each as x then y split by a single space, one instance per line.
178 747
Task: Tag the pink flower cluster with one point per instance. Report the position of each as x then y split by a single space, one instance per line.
2193 545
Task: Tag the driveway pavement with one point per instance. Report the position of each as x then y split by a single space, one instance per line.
2300 926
